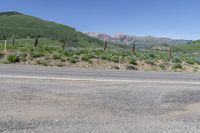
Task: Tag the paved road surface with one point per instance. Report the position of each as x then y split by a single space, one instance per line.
65 100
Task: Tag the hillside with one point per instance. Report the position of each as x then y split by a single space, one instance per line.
18 25
141 42
194 47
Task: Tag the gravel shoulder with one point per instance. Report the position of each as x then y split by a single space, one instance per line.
41 106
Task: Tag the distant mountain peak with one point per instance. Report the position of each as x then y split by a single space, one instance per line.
101 36
119 34
10 13
138 40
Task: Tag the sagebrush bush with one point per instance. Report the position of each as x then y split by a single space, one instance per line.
176 60
115 59
133 61
150 61
42 62
74 59
178 66
86 57
56 55
197 61
60 64
36 54
190 61
162 66
23 57
63 58
152 56
106 57
163 57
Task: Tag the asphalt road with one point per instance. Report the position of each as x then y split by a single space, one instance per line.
65 100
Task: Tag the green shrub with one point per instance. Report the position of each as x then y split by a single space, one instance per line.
106 57
176 60
36 54
178 66
23 57
133 61
81 51
75 51
125 53
143 57
56 56
98 50
86 57
24 50
42 62
197 61
12 59
60 64
152 56
162 66
150 61
115 59
74 59
63 58
163 57
190 61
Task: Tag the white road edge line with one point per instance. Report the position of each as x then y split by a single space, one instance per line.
100 80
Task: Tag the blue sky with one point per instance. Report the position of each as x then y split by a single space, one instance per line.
164 18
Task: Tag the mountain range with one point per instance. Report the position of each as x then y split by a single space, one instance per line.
145 41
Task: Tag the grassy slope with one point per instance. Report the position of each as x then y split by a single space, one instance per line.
19 25
194 47
50 53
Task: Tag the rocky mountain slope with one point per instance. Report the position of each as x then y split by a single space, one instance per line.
145 41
